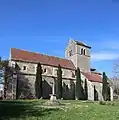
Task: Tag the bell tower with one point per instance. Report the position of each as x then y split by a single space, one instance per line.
79 53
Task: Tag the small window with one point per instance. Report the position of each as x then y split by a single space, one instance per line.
45 70
70 53
73 75
24 67
82 51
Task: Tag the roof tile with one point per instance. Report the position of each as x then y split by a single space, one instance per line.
17 54
93 77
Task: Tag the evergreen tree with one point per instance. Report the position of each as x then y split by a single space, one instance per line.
108 93
7 74
6 78
105 86
73 91
72 88
95 94
86 90
17 82
79 88
59 83
38 82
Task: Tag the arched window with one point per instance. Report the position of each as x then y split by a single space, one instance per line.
24 67
82 51
70 53
45 70
73 75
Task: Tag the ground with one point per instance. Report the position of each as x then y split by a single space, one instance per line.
71 110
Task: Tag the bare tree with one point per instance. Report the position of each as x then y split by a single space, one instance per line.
116 68
114 81
7 75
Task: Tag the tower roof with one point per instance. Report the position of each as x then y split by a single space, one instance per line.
82 44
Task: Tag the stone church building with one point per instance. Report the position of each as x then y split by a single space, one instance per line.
77 54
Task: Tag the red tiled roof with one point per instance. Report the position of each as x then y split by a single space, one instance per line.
93 77
96 73
22 55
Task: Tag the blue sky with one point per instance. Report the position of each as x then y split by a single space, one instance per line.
45 25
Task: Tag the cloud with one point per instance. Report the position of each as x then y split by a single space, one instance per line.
102 56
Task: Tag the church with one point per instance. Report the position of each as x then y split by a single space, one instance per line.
77 54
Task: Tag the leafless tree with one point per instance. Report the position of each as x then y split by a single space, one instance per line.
6 75
114 81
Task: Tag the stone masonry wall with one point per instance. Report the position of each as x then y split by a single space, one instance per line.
27 81
78 59
50 70
27 86
98 87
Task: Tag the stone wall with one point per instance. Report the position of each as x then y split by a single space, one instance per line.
27 81
83 61
98 87
27 86
78 59
50 70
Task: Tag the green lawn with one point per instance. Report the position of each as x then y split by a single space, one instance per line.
72 110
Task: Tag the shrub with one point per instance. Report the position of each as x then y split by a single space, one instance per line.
102 103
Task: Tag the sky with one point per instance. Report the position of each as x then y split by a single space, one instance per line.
45 26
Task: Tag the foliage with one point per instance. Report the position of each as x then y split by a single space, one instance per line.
38 82
116 91
114 81
8 74
95 94
73 90
79 88
105 87
108 93
59 89
86 90
102 103
17 82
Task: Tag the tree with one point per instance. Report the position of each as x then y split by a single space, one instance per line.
7 75
108 93
105 86
38 82
116 68
73 91
95 94
114 81
86 90
17 81
59 83
79 88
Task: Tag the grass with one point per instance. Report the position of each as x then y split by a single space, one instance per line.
73 110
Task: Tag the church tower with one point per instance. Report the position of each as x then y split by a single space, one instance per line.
79 53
